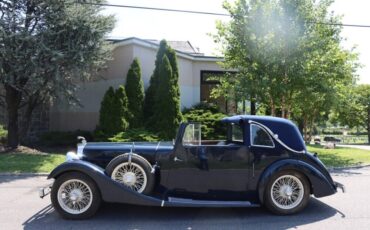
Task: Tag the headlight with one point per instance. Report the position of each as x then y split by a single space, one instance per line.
71 156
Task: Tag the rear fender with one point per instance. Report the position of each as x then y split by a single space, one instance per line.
320 184
111 191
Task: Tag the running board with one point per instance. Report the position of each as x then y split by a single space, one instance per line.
181 202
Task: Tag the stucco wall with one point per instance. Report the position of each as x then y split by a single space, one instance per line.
67 118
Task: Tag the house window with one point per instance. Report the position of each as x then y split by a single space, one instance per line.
208 81
259 137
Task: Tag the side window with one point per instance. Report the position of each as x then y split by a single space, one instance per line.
192 135
236 133
260 137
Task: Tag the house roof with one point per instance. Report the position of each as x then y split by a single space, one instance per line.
183 48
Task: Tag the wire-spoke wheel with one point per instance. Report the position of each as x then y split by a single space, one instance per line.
131 175
75 195
287 193
133 172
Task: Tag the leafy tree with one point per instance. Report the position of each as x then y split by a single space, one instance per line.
167 103
135 95
113 112
353 107
285 61
46 49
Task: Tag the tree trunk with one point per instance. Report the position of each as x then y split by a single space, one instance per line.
368 124
283 107
13 99
253 106
305 129
27 118
243 107
272 105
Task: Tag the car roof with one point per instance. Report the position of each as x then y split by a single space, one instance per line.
286 129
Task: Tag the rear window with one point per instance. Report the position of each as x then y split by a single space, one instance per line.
259 137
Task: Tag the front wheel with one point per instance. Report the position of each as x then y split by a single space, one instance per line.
75 196
287 193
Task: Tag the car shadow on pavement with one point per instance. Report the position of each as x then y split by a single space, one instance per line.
120 216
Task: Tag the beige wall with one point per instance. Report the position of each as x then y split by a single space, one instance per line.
67 118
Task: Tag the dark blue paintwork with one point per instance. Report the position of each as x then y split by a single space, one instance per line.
285 129
233 173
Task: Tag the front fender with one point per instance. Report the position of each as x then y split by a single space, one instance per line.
320 184
111 191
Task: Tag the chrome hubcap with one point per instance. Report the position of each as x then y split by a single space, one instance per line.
129 178
131 175
74 196
287 192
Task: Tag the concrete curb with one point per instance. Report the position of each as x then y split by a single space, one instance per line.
24 174
348 168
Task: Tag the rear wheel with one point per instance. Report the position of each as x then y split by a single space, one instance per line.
135 175
75 196
287 193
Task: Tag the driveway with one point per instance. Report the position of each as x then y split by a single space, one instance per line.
21 208
364 147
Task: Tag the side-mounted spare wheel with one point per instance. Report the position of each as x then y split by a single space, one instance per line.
75 195
135 173
287 192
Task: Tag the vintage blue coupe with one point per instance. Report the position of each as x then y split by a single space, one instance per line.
262 161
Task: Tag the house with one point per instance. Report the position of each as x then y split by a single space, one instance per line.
195 70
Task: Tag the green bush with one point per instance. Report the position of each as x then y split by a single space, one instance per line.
3 134
212 128
62 139
204 106
135 135
139 134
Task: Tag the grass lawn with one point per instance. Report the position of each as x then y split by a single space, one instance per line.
341 156
18 162
24 162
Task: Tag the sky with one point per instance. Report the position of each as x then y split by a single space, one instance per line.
148 24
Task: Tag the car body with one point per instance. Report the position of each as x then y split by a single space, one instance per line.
259 154
332 139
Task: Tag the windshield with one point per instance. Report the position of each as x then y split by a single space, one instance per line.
192 135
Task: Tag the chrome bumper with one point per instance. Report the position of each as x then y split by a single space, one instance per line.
341 186
45 190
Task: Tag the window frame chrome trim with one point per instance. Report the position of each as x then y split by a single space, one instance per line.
268 134
272 134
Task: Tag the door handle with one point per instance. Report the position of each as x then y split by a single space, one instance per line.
177 159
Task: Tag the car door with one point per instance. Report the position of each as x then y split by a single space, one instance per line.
212 170
263 151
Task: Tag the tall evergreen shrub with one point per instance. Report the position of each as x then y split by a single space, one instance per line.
153 86
135 95
167 103
152 109
113 112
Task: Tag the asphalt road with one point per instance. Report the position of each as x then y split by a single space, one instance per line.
20 208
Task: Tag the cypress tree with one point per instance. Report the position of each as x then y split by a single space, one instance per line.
153 86
113 111
135 94
121 104
167 103
106 113
150 107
